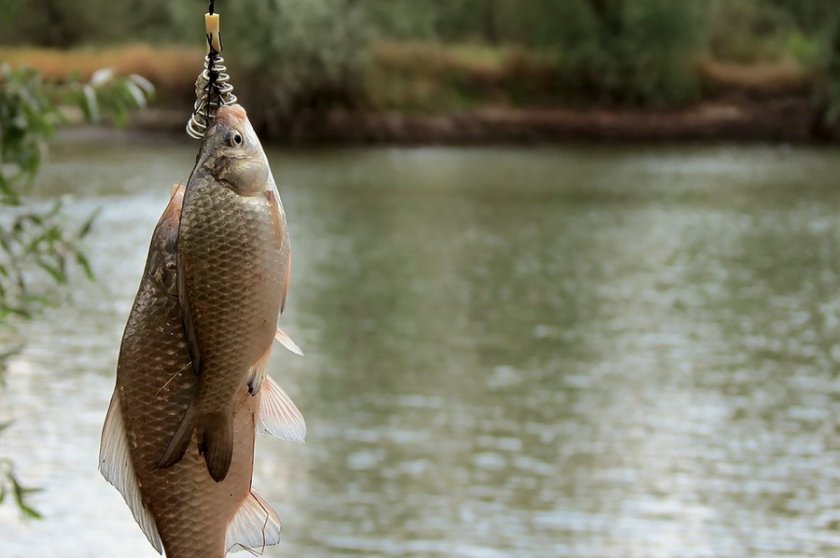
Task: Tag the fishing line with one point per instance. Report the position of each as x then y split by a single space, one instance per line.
212 74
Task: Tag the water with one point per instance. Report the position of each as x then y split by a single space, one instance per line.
565 352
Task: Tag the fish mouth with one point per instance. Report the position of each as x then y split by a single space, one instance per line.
231 115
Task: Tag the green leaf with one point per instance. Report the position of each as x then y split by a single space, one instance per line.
55 271
20 493
88 224
19 311
83 262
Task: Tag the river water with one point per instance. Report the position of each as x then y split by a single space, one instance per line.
510 352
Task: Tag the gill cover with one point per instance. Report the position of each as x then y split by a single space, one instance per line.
235 154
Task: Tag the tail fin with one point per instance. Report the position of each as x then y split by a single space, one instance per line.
180 440
215 441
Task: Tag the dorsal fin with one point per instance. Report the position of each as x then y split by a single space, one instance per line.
254 526
278 415
115 465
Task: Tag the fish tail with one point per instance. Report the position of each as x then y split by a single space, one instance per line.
180 440
215 441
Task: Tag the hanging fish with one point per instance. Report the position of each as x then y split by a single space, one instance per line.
181 509
233 265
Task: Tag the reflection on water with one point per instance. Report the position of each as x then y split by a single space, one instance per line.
578 352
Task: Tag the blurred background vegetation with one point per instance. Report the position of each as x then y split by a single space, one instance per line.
448 55
38 249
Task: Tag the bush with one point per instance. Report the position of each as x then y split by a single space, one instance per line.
637 52
292 57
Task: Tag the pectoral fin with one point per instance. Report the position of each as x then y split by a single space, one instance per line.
278 415
180 440
215 442
287 342
115 465
254 526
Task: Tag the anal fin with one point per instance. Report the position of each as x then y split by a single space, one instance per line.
278 415
254 527
258 371
115 465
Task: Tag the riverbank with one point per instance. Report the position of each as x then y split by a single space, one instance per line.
419 93
785 119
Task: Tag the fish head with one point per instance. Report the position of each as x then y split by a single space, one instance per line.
233 154
162 262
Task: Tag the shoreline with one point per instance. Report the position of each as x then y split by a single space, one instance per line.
787 119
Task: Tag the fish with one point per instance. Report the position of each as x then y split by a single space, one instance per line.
233 267
181 509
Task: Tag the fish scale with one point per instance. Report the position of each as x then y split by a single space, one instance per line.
155 386
233 267
234 315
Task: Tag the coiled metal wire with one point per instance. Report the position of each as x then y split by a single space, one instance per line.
212 90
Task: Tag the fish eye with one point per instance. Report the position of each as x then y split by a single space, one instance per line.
235 139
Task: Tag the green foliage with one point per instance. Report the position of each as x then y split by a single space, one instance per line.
632 52
810 16
748 31
67 23
62 23
638 52
402 19
10 485
34 239
308 57
831 89
315 54
37 248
